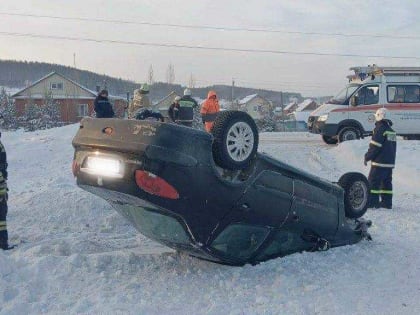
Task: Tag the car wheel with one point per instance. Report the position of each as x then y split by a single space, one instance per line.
330 140
235 140
348 133
356 194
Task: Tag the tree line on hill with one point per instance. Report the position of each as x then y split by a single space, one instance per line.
18 74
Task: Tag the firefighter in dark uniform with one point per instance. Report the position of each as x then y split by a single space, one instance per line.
186 109
4 240
381 153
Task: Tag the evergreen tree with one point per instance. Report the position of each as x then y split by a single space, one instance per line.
7 111
51 115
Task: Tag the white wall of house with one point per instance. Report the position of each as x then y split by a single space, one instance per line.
257 107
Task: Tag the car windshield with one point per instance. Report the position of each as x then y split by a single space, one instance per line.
340 98
159 227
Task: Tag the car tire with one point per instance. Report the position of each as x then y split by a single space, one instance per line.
235 141
356 194
330 140
348 133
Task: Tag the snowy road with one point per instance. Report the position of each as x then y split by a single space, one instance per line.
78 256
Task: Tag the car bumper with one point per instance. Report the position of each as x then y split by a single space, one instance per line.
320 127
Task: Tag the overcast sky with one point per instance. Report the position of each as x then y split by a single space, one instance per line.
312 75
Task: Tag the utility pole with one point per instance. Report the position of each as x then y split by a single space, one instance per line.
282 110
74 60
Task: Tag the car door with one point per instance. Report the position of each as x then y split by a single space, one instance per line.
267 200
313 208
264 207
366 104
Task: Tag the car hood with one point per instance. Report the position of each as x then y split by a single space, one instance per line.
325 109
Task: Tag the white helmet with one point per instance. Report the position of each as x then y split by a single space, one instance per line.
177 98
187 92
381 113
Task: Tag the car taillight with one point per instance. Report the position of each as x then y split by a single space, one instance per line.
155 185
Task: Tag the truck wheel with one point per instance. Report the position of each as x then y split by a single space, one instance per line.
348 133
330 140
356 194
235 140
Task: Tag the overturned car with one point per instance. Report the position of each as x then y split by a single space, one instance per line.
213 195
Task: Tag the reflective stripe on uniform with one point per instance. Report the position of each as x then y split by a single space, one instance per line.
390 136
383 165
3 226
389 133
376 143
373 191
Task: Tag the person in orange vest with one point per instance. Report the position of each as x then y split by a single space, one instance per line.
209 110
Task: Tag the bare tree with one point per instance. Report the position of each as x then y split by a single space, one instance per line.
191 82
150 78
170 74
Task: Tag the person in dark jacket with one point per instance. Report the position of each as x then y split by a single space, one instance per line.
381 153
103 107
148 114
4 239
186 109
173 110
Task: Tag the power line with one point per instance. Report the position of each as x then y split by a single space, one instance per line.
243 50
207 27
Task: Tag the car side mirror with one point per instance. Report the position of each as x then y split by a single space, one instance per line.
353 100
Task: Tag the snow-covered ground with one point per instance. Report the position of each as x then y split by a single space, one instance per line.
76 255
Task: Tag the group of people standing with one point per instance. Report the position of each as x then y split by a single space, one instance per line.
181 111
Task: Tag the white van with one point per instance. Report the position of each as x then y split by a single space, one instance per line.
350 114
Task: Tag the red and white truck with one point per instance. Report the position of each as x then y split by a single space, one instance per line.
350 114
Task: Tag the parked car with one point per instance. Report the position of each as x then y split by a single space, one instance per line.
213 195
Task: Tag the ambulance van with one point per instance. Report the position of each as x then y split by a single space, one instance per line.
350 114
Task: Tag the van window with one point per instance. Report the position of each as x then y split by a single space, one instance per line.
367 95
403 94
344 94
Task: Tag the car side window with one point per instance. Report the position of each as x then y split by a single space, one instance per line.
284 242
240 241
403 94
367 95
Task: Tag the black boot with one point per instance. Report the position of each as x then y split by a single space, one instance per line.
386 201
5 246
385 205
373 201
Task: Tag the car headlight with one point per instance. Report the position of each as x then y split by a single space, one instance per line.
323 117
103 166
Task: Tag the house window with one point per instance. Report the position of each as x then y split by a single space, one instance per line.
56 86
83 110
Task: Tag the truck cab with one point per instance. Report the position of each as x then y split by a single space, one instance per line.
350 114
